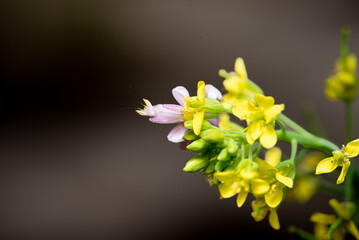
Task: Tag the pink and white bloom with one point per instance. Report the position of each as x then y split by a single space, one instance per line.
172 113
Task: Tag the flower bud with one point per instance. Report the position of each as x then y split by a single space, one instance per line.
190 136
223 155
198 146
220 165
212 135
196 163
232 147
205 125
342 86
210 168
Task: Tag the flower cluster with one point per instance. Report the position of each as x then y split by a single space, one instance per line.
234 137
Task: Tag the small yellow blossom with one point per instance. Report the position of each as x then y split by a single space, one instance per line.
242 182
322 221
260 118
195 107
279 174
260 210
237 84
339 158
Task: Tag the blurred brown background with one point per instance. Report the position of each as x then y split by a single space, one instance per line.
77 162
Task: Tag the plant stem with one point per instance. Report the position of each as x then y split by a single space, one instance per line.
293 125
334 226
294 144
308 141
349 117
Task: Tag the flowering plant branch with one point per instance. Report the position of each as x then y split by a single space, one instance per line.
235 136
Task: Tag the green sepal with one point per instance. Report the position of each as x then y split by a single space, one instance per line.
212 135
210 168
196 163
190 136
205 125
232 147
223 155
220 165
198 146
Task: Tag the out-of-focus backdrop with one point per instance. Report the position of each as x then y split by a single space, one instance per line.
77 162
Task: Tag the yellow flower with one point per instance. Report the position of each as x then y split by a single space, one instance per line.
242 182
343 84
345 211
339 158
237 84
279 174
260 210
195 107
260 118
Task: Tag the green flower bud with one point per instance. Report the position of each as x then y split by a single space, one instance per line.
216 181
223 155
198 146
210 168
232 147
190 136
222 144
196 163
205 125
212 135
220 165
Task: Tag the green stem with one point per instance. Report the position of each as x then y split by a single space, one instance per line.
294 144
349 117
349 121
334 226
344 48
300 155
308 141
293 125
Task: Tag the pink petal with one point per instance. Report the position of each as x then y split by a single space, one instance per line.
180 93
212 92
177 133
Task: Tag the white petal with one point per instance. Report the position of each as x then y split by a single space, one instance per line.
177 133
180 93
212 92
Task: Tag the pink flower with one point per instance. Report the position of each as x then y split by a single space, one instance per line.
172 113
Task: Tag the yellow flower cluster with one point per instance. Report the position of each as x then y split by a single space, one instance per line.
265 179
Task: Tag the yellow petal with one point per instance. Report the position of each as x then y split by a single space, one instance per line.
259 186
343 173
320 231
227 176
228 189
240 68
271 113
224 121
353 229
197 122
265 169
243 109
274 198
235 85
269 137
201 92
325 166
283 179
263 101
241 198
352 148
322 218
273 156
339 209
273 219
255 129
